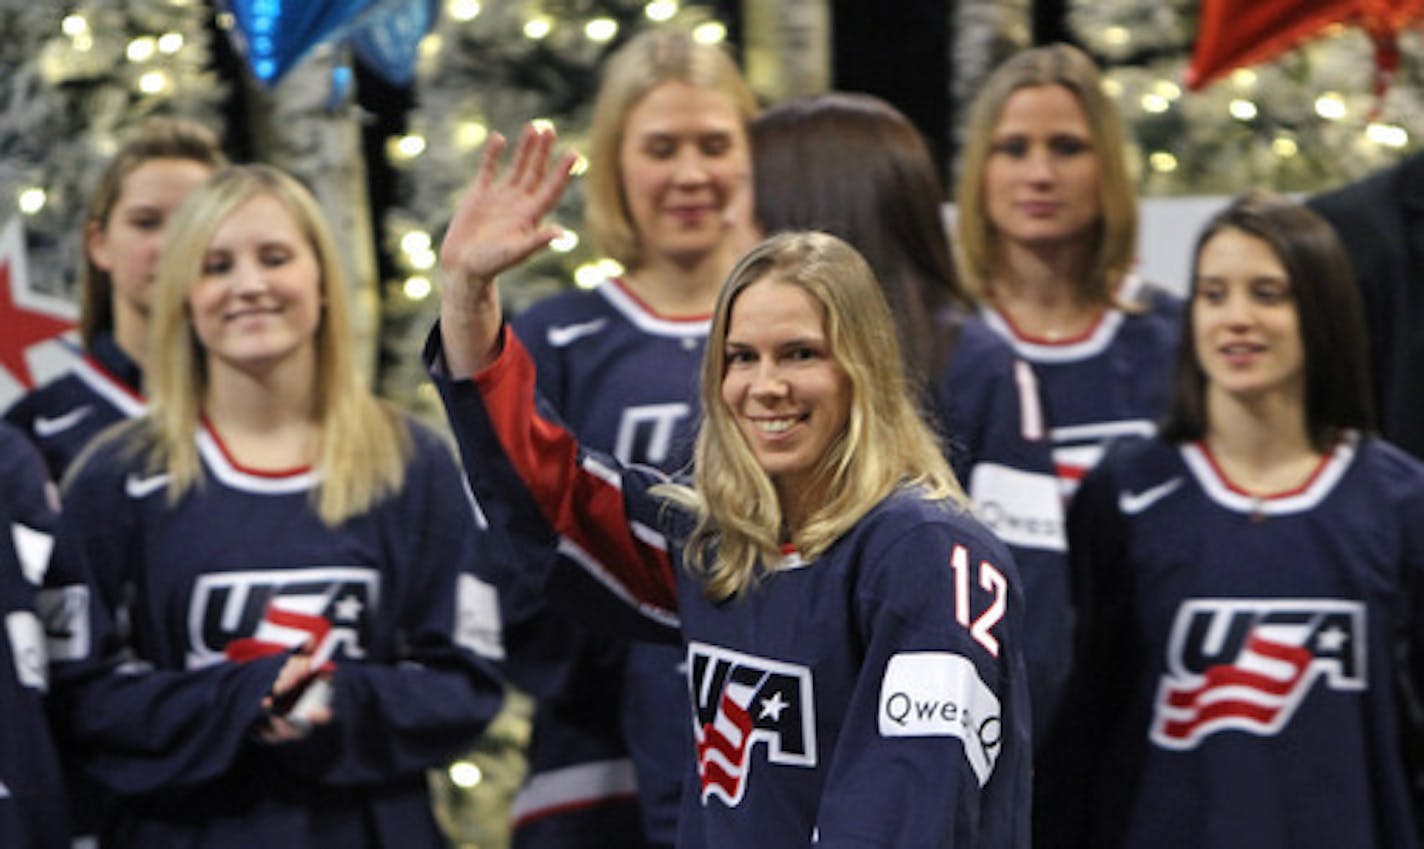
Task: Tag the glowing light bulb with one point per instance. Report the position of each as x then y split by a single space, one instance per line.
565 242
141 49
600 29
711 32
417 287
660 10
464 10
1242 109
1162 162
31 200
155 82
465 774
1330 106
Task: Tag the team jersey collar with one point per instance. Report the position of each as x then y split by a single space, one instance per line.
112 375
615 290
1090 343
107 354
1309 495
232 474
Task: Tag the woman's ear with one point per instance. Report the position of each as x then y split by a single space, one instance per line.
96 245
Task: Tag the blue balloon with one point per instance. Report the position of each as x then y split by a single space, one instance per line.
274 35
387 38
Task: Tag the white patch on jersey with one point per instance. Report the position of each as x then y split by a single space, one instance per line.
33 548
47 426
477 621
1133 503
658 422
65 614
940 694
1030 409
1022 508
1246 665
562 336
27 646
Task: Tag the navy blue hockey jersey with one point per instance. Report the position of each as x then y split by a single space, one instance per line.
987 400
1242 658
1115 380
609 745
33 804
61 417
148 600
873 697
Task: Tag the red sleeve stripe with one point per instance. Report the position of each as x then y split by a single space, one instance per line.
583 502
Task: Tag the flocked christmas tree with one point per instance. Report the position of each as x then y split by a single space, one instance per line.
1308 120
74 77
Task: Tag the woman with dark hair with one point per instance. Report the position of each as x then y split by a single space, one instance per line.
1047 229
853 166
1249 581
128 212
851 633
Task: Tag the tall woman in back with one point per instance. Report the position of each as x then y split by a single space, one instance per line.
1047 223
852 165
667 197
1249 582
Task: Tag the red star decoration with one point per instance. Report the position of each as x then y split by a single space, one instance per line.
1235 33
26 317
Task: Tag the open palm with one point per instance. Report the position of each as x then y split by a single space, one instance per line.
499 222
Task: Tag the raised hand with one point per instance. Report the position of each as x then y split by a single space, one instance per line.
498 224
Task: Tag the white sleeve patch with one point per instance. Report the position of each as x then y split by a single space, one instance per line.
65 614
1021 508
33 547
477 621
938 694
27 645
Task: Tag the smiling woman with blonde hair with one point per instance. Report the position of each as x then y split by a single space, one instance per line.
819 567
269 577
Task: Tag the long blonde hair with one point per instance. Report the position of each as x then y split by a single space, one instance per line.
647 61
364 443
1116 234
886 444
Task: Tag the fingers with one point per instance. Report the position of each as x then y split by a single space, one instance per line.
553 186
489 165
526 157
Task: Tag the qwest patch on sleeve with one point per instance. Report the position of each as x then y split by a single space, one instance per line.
477 620
26 637
939 694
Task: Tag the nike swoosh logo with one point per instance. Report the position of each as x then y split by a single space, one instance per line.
568 333
1133 503
138 487
47 426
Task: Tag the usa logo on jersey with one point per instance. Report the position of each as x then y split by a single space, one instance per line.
739 699
329 606
1246 665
